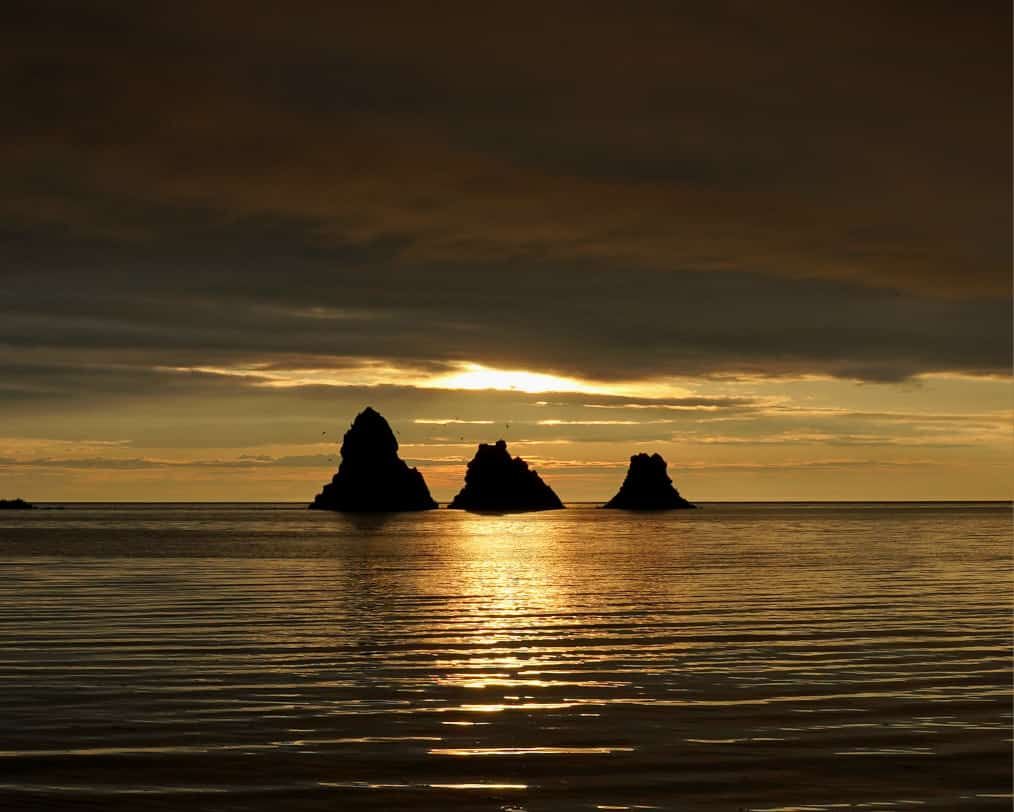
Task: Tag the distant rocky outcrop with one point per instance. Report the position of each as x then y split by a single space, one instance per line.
497 483
15 504
372 478
648 487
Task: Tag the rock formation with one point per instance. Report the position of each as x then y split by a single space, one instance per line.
372 478
497 483
648 487
15 504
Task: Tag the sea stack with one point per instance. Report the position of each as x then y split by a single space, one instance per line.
372 478
15 504
497 483
648 487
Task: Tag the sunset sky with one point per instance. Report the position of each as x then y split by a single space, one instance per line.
770 241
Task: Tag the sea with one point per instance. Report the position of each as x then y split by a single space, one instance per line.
754 657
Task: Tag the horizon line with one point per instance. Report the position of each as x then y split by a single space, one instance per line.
1009 501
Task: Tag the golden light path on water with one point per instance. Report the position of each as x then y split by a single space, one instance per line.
737 657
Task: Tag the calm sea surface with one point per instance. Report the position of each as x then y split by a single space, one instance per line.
755 657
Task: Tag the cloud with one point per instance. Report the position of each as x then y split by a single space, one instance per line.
316 461
832 464
600 422
789 438
647 325
466 139
451 421
686 404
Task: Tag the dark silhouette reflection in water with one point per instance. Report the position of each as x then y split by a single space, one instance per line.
365 524
738 657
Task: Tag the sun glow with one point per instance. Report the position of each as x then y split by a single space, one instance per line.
474 377
463 376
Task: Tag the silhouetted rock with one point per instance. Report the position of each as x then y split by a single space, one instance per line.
648 487
497 483
15 504
372 478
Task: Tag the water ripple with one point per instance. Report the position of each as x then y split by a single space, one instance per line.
744 657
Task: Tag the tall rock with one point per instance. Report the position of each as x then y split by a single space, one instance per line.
497 483
648 487
372 478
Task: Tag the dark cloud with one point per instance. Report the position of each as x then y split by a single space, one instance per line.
145 463
591 189
587 321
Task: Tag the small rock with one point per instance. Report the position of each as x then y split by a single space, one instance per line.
497 483
648 487
15 504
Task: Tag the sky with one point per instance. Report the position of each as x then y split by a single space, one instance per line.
770 241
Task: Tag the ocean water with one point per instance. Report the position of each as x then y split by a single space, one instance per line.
740 657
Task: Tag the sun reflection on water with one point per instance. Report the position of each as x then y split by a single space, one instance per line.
572 659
